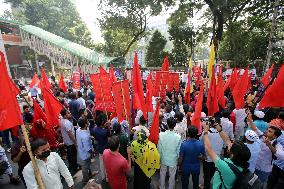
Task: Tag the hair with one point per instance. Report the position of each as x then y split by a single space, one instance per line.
29 118
226 113
100 119
116 128
38 143
241 154
142 120
73 95
92 184
281 115
113 143
79 94
179 116
192 132
171 122
277 131
25 107
168 108
63 112
82 122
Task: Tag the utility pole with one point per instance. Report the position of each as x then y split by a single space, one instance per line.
273 29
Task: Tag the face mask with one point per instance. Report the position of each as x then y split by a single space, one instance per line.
44 154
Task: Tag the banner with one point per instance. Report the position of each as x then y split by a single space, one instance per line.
76 80
122 99
102 89
173 81
161 84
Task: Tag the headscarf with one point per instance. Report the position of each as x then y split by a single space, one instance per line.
145 154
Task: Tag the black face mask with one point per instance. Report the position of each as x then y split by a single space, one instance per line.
44 154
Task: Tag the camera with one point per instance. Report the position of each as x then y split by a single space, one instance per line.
211 120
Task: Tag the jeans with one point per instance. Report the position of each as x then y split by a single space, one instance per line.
102 167
185 179
276 178
208 171
263 176
86 169
172 173
72 158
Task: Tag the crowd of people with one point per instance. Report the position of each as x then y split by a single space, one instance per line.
235 147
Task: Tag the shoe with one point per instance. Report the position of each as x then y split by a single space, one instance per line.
15 180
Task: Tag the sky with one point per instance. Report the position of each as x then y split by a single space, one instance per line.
88 10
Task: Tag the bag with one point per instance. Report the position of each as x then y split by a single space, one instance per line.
245 179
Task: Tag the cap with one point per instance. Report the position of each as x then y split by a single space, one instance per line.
259 114
251 135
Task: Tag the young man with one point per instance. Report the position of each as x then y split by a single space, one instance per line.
141 126
101 134
85 148
81 100
123 140
116 165
168 147
181 126
190 152
74 107
68 134
228 128
254 148
51 167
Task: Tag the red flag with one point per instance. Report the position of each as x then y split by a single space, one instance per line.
85 82
44 81
267 77
234 79
52 108
240 90
138 100
38 113
62 84
227 84
198 108
249 81
154 130
35 81
166 64
187 90
220 89
112 77
10 113
102 70
149 94
273 96
212 101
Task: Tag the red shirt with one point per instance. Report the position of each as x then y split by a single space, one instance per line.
116 167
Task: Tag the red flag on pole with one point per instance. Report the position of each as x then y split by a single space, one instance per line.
273 96
44 81
149 94
234 79
62 84
52 108
198 109
10 113
102 70
38 113
267 77
112 77
35 81
227 84
240 90
187 90
212 101
154 130
138 93
220 89
166 64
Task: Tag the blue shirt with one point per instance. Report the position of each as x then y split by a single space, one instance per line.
190 150
280 162
74 107
168 147
101 135
84 143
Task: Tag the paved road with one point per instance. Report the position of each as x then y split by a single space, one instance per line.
4 182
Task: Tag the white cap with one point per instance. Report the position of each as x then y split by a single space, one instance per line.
259 114
251 135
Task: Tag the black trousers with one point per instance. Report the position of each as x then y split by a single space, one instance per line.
72 158
141 181
208 172
276 178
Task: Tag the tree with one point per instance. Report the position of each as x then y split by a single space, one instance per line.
56 16
124 23
155 53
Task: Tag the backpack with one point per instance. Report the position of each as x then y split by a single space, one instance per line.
245 179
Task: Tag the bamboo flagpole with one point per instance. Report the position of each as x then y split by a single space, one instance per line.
34 164
123 99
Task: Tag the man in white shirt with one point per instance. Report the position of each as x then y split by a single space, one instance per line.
240 123
50 165
141 126
253 144
181 126
81 100
68 134
227 127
